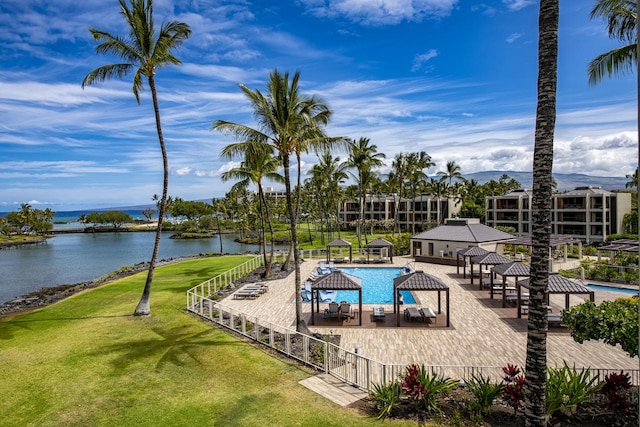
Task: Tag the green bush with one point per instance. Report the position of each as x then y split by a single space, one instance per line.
484 391
386 397
567 388
424 388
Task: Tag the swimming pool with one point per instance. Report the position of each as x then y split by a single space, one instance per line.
594 287
377 286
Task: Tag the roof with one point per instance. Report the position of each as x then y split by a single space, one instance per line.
337 280
379 243
626 245
560 285
515 268
593 189
473 251
419 281
490 258
339 242
464 231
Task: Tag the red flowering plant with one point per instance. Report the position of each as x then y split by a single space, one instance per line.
615 387
514 382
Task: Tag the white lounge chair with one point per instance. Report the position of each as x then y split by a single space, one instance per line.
378 314
428 314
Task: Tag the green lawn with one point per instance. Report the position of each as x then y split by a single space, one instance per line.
86 361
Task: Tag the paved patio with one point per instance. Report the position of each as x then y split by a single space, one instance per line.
482 333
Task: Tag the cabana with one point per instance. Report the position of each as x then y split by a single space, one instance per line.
558 285
468 253
513 269
490 258
555 241
335 281
339 243
418 281
381 244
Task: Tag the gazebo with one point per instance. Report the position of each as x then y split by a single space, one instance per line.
469 252
490 258
558 285
380 244
513 269
339 243
418 281
335 281
555 241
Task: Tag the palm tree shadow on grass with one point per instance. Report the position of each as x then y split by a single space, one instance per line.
247 406
172 346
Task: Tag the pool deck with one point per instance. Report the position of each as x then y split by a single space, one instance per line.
482 333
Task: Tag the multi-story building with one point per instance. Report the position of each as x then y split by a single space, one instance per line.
586 213
422 211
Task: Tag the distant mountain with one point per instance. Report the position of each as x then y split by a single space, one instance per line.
566 181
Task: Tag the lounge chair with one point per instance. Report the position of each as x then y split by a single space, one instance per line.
428 314
412 314
306 295
378 314
332 266
246 294
554 319
334 310
257 287
345 310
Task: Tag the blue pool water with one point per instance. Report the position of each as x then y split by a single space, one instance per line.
377 286
595 287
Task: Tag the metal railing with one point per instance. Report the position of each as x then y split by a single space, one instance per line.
348 366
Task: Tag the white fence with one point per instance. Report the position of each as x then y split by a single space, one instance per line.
349 366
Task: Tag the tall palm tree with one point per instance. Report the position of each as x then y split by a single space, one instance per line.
287 120
257 165
396 179
622 22
536 362
363 157
633 180
452 171
144 51
416 163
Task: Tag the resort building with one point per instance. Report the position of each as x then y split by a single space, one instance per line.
586 213
424 211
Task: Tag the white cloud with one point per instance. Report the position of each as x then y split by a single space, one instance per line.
515 5
513 37
421 59
183 171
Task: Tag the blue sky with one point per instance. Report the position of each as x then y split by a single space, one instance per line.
454 78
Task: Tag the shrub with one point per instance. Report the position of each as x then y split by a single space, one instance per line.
484 391
386 397
424 389
567 388
614 388
514 383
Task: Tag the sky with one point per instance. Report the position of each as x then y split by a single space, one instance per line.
454 78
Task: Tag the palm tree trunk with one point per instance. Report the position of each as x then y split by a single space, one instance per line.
265 214
536 362
144 306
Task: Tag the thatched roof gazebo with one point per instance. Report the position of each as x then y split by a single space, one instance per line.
490 258
469 252
558 285
335 281
380 244
419 281
339 243
513 269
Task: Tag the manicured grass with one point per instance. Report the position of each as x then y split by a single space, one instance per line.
86 361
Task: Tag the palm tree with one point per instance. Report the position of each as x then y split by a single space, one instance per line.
396 179
287 120
363 157
633 180
143 52
453 171
621 24
258 164
416 163
536 361
327 176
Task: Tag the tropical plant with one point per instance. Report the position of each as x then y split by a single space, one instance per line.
621 25
452 171
615 389
536 359
144 51
567 388
289 122
386 397
484 391
424 388
514 382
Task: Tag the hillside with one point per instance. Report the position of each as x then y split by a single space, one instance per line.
566 181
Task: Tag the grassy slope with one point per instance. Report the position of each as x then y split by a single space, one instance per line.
87 361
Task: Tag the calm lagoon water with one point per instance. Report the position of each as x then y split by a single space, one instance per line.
74 258
377 286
